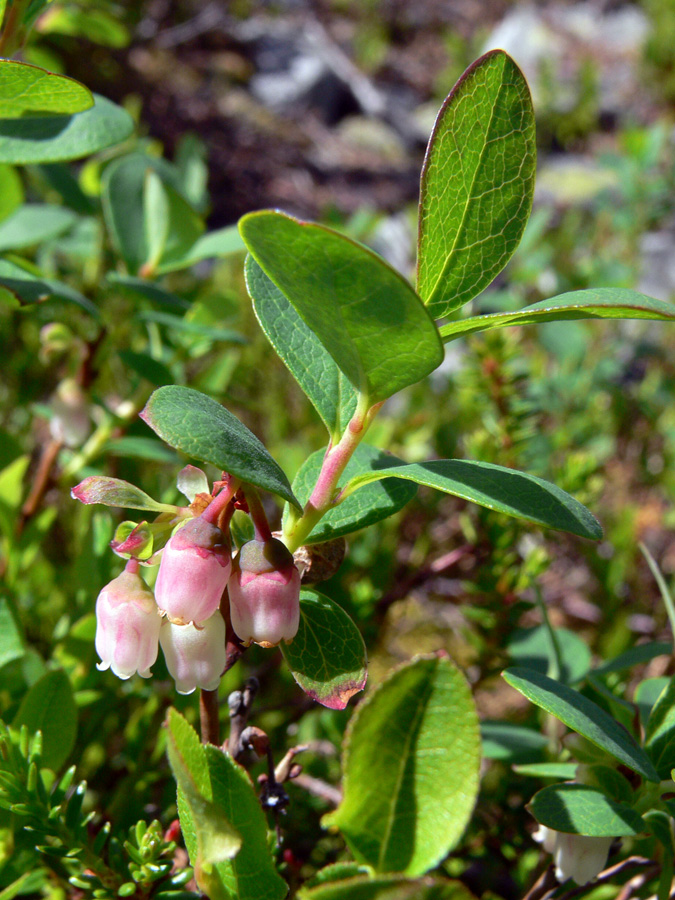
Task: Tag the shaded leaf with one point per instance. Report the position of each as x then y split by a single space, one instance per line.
660 732
221 242
49 707
371 504
477 183
327 656
495 487
365 314
202 428
515 743
11 640
597 303
532 648
583 716
31 288
411 759
579 809
40 139
302 352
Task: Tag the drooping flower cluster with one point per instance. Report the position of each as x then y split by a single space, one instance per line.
195 582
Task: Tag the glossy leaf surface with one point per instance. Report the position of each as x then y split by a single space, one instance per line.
41 139
495 487
29 90
598 303
477 183
583 716
312 366
660 732
411 759
374 502
199 426
579 809
365 314
327 656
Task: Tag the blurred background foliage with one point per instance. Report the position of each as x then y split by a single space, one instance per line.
323 109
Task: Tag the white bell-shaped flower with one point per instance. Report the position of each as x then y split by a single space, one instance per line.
576 856
195 654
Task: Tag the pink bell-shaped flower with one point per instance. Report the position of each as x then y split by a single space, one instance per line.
193 573
264 593
195 654
127 625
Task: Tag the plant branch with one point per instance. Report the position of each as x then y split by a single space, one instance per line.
208 717
334 463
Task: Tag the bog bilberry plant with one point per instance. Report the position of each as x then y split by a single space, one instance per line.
205 581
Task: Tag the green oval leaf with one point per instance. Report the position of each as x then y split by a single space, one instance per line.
583 716
515 743
132 217
203 429
411 760
221 242
533 648
210 837
49 707
34 223
41 139
597 303
579 809
302 352
116 492
12 644
373 503
251 874
327 656
29 90
477 183
495 487
366 315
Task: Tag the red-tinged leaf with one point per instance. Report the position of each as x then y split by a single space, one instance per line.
116 492
327 656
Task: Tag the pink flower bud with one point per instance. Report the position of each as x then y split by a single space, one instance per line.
127 625
264 593
193 573
195 654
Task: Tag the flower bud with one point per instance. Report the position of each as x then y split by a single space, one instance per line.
127 625
195 654
576 856
264 593
193 573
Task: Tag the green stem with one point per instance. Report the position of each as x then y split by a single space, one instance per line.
663 587
556 666
334 462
